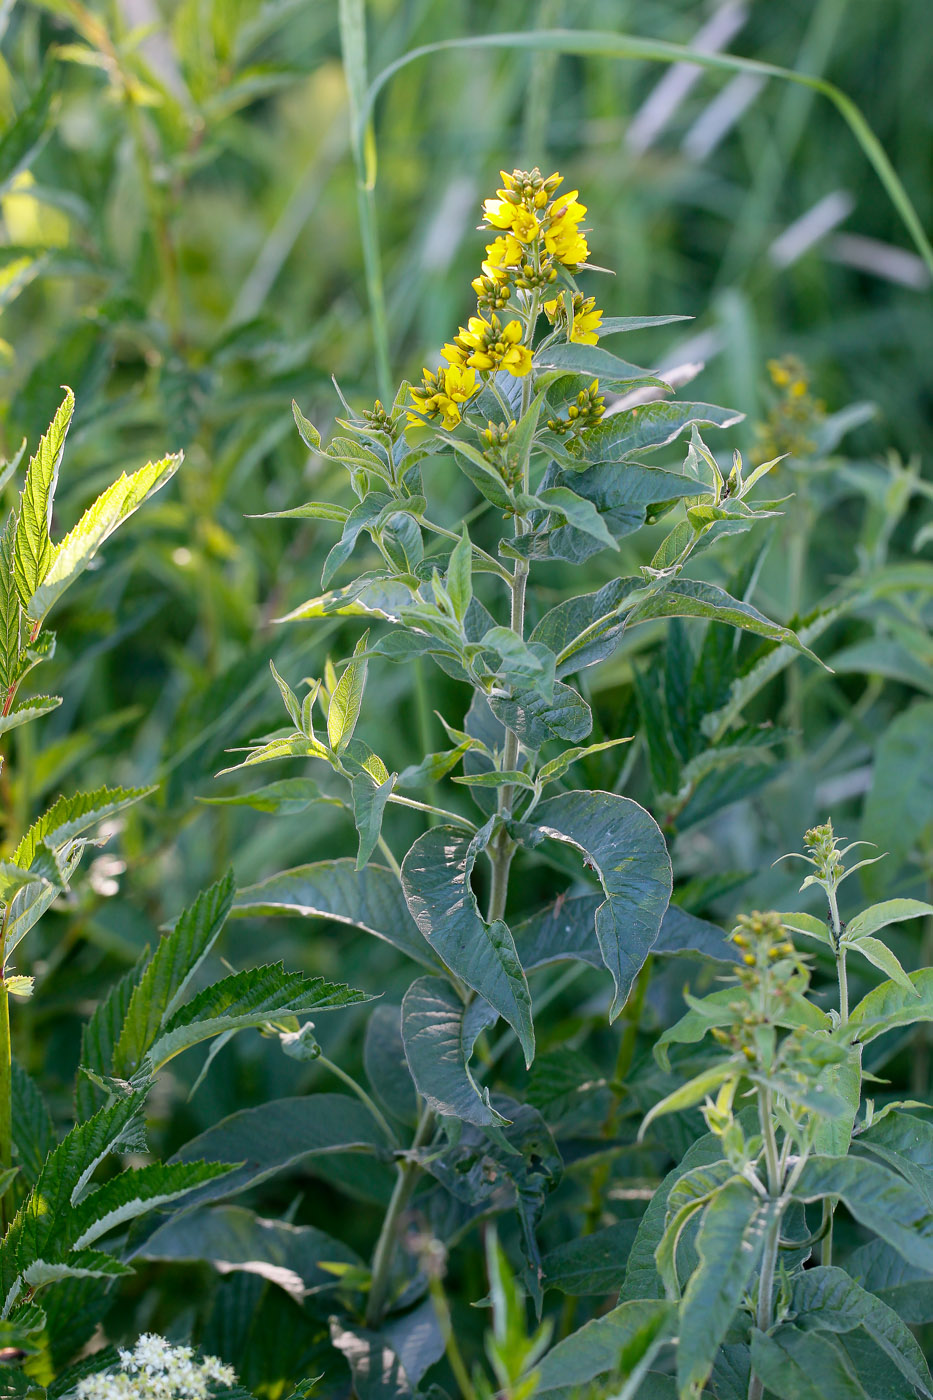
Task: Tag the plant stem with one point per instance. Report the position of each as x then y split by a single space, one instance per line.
766 1291
384 1253
436 811
362 1095
6 1089
843 986
826 1248
451 1346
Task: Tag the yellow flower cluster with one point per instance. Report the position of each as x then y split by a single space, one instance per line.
538 234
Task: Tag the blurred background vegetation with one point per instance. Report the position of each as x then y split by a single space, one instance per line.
181 245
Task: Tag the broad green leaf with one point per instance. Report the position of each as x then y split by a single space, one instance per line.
100 1034
249 998
625 848
885 1274
828 1300
278 1135
903 1142
878 1199
684 597
347 700
33 548
647 427
729 1247
175 962
377 1360
369 804
369 899
808 925
436 876
535 720
588 628
891 1005
74 553
10 610
592 1265
880 956
891 911
369 596
25 710
578 511
439 1033
385 1063
289 797
521 662
833 1132
132 1193
233 1238
607 1345
796 1365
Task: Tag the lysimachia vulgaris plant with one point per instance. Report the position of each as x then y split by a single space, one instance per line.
64 1244
533 411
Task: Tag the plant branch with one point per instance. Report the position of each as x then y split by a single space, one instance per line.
405 1183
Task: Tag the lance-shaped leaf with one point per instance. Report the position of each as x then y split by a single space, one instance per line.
347 699
176 960
133 1193
371 595
74 553
879 916
879 1200
904 1142
278 1135
33 548
244 999
880 956
587 629
728 1246
439 1033
23 136
828 1300
369 804
647 427
288 797
606 1345
797 1365
370 899
892 1005
436 877
687 597
10 609
625 848
30 903
25 710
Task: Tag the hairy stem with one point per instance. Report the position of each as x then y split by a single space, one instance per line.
384 1254
766 1292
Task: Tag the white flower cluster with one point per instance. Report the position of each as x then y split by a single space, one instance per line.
156 1370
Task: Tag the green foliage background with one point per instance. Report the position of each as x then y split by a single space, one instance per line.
190 258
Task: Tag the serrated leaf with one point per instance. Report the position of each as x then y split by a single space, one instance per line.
132 1193
624 846
245 999
25 710
69 817
438 1033
436 879
33 1135
80 1263
347 699
369 899
10 609
175 962
74 553
100 1034
33 547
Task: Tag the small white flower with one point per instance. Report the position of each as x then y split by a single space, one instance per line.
156 1370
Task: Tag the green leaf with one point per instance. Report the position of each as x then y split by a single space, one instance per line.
535 720
74 553
625 848
33 1135
499 777
306 429
289 797
593 360
797 1365
899 805
882 1271
233 1238
588 628
276 1136
878 1199
903 1142
880 956
369 804
648 427
436 876
25 710
878 916
132 1193
729 1247
294 746
10 609
311 510
557 767
693 1092
347 700
613 325
683 597
69 817
244 999
33 548
289 699
460 575
434 766
828 1300
592 1265
176 961
25 134
607 1345
385 1063
892 1005
100 1034
369 596
578 511
377 1360
482 474
808 925
522 662
439 1033
369 899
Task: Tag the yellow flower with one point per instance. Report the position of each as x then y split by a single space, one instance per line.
490 345
453 354
525 226
562 238
586 322
441 395
460 383
504 252
499 212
